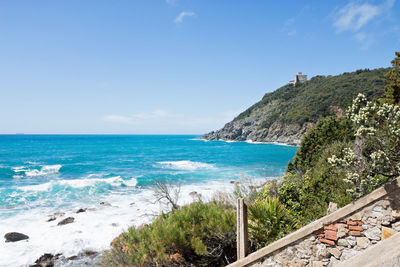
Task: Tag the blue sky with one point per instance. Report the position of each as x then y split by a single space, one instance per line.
175 66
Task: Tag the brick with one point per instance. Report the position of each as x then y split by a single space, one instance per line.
330 235
321 235
342 221
359 222
332 227
355 233
352 223
356 228
326 241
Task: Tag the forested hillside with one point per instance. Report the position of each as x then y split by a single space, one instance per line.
287 113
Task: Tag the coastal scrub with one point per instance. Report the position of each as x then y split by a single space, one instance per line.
200 233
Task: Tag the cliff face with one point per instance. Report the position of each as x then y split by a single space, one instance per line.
250 128
286 114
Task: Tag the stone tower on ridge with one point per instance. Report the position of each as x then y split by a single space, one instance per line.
299 78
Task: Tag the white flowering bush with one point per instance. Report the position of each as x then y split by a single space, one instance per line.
374 158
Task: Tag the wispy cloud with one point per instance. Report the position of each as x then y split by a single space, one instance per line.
162 121
355 16
118 119
124 119
158 113
182 15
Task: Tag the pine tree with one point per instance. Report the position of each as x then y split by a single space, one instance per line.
392 87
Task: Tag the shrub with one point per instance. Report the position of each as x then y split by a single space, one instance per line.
200 233
307 195
318 138
268 221
374 158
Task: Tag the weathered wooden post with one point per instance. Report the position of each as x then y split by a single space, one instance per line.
242 236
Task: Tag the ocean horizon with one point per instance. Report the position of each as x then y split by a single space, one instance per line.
111 178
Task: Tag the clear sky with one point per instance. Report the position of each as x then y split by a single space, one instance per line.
175 66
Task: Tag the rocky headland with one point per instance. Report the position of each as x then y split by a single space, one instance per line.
286 114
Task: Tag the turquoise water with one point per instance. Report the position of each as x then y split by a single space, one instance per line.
43 174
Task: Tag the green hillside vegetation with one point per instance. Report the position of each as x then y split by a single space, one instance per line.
343 158
340 159
313 99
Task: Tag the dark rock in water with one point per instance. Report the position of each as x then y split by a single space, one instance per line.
105 203
46 260
72 258
14 237
66 221
114 224
54 216
81 210
89 253
51 219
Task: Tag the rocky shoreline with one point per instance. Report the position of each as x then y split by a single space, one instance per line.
85 257
250 131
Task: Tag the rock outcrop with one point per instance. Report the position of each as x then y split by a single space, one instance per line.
66 221
249 129
15 236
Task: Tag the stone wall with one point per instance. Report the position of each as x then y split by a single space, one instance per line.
337 237
342 239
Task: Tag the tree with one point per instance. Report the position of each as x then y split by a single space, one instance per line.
392 87
167 194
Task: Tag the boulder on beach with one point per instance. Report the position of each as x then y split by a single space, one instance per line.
66 221
14 237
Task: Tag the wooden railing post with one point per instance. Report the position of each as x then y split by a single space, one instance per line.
242 236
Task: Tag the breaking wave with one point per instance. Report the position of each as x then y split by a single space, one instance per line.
185 165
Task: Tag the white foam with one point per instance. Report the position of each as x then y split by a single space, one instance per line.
80 183
255 142
185 165
199 139
44 170
39 187
92 229
19 169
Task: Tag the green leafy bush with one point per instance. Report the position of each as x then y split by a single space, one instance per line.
268 221
317 139
374 158
200 233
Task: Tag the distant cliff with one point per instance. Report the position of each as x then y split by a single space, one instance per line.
286 114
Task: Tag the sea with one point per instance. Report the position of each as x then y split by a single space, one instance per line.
112 178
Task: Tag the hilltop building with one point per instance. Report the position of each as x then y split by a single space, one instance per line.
299 78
